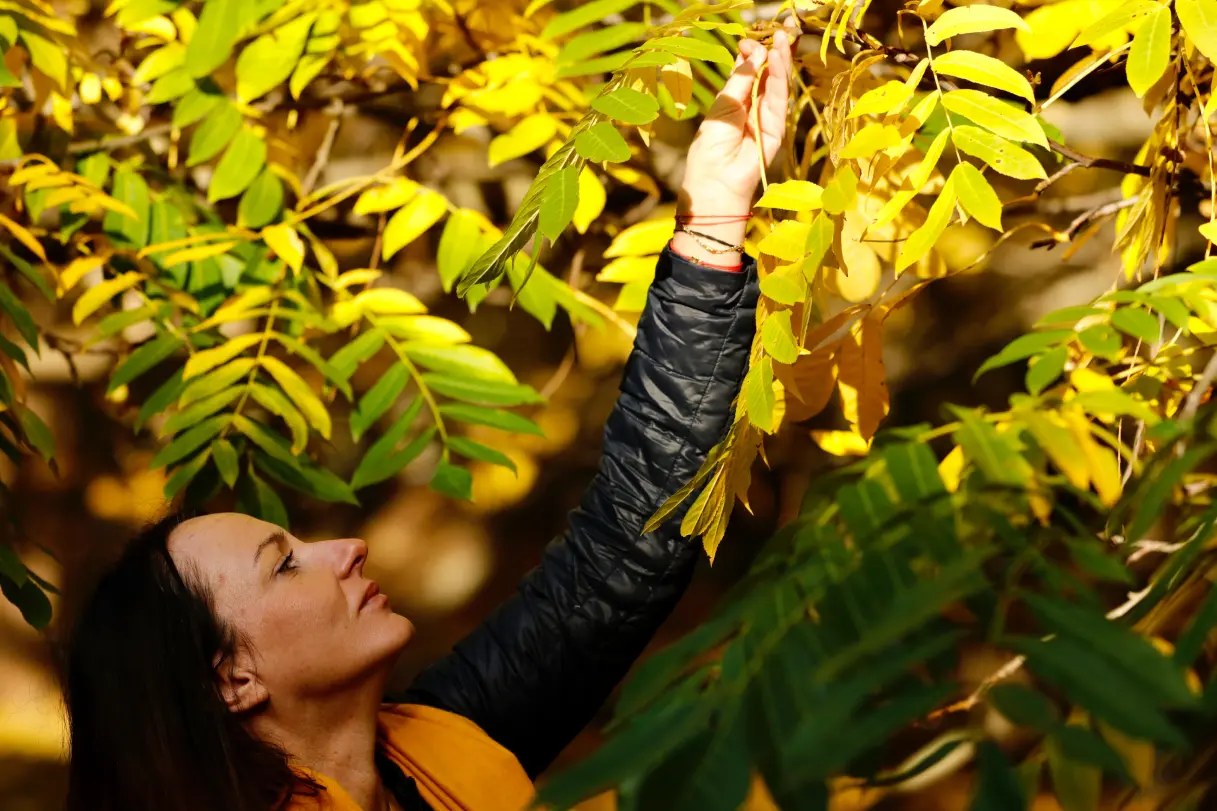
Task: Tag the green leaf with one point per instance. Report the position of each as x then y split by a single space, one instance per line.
1161 681
597 41
413 219
214 133
12 567
160 400
345 361
461 359
1023 707
690 48
1077 786
491 417
184 474
627 105
318 482
453 481
276 403
47 56
1003 156
991 452
481 391
300 393
141 360
261 501
558 207
476 450
1097 560
378 399
1150 51
270 59
528 135
376 467
31 601
459 246
1136 322
1024 347
303 350
977 196
583 15
1115 402
602 142
216 380
1154 492
242 162
129 188
197 103
36 432
225 456
262 202
998 787
20 316
1080 745
1115 21
914 471
777 336
1102 340
220 24
174 84
190 441
270 442
309 68
203 407
1192 640
1046 368
840 193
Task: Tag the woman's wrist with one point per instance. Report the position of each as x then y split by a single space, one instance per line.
718 214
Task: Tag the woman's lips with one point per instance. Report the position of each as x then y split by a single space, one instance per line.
372 596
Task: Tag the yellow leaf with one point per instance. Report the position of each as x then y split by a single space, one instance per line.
1209 231
1058 442
198 254
841 443
591 200
89 88
627 269
208 359
358 276
646 238
1002 155
871 139
972 20
884 100
757 396
387 197
412 220
1199 18
996 116
810 380
859 279
529 135
976 195
922 240
677 78
984 70
24 236
389 301
788 240
1150 52
1101 460
862 377
99 294
950 469
286 243
235 308
1086 379
792 195
299 392
77 269
1117 21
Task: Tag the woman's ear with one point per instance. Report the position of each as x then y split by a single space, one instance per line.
240 686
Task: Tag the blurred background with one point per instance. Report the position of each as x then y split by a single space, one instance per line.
446 565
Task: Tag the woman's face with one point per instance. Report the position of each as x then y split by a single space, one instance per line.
315 624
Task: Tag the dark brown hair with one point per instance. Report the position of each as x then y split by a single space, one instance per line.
150 730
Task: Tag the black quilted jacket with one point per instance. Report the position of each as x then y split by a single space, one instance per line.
537 670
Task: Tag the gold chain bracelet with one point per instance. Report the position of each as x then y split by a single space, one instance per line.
699 236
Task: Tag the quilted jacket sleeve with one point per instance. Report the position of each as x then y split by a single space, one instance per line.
537 670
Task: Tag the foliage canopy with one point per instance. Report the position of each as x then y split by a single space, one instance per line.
163 197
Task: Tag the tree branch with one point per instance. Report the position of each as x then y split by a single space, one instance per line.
1098 163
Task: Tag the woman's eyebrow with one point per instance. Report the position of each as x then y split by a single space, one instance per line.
277 538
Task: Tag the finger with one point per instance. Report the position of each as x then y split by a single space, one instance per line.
738 86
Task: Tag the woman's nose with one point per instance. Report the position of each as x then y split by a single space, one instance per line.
352 552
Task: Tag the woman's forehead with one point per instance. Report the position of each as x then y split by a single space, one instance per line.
221 541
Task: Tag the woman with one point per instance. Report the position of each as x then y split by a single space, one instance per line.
223 665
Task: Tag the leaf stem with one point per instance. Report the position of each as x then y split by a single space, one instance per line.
253 373
416 375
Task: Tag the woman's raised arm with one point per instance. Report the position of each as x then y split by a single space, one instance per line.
536 671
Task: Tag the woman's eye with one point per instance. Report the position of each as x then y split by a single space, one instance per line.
287 565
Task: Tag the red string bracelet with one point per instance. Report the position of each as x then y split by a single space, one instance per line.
730 268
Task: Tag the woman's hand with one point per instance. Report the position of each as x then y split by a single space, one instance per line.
723 168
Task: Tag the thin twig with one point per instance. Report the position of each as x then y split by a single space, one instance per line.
1098 163
323 153
1192 403
115 143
